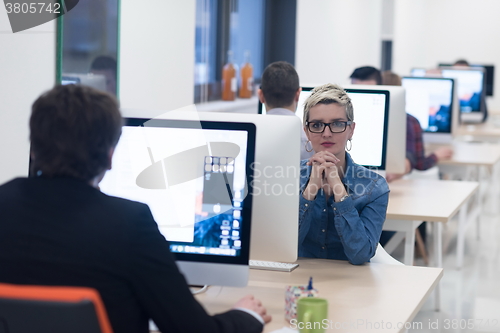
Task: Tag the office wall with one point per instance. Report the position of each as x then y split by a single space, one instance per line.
157 54
427 32
27 68
336 36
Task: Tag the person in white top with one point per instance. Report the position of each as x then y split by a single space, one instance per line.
279 92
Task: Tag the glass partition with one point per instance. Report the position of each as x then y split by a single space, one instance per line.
88 43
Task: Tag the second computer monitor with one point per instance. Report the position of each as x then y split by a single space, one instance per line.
431 101
371 114
276 172
396 130
470 87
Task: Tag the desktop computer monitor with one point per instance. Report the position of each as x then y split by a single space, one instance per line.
370 139
371 115
97 81
195 176
489 71
470 87
396 133
432 101
276 174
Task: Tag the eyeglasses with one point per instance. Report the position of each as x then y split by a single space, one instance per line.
335 127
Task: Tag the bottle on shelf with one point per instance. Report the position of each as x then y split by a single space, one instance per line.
229 82
246 87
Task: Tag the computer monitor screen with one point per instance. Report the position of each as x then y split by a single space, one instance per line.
489 73
470 87
396 136
371 110
275 199
420 72
96 81
430 100
371 115
195 176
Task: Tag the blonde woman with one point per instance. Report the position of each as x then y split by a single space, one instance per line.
342 204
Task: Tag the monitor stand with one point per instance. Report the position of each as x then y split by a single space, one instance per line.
437 138
472 117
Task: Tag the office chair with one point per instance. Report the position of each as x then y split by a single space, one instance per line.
48 309
382 257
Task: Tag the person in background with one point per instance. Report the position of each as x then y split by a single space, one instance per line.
342 205
366 75
279 92
106 66
58 229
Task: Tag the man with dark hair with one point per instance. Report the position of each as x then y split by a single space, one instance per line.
366 75
58 229
107 67
279 92
461 62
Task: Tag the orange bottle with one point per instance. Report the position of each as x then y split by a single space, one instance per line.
246 89
229 84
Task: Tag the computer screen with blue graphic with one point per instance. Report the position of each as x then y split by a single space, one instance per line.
196 178
430 100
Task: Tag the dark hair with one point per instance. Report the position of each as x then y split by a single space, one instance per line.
391 79
462 62
279 84
104 62
72 129
367 73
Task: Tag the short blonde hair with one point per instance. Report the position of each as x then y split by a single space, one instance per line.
327 94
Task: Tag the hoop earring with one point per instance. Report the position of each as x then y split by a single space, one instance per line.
350 145
305 146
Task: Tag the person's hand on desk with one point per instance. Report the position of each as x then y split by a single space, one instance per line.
443 153
251 303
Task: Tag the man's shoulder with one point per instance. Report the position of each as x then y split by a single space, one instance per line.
65 190
281 111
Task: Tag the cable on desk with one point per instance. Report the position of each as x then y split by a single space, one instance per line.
201 290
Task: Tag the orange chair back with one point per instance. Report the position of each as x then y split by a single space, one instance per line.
71 295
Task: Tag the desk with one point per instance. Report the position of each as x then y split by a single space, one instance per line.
370 293
486 131
412 201
477 162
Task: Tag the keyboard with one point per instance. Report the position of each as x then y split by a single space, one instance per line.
272 265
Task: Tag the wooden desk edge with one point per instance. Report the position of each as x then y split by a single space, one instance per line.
431 289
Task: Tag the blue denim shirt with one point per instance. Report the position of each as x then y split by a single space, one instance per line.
347 230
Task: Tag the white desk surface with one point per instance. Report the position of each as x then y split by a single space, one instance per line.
469 153
370 293
427 200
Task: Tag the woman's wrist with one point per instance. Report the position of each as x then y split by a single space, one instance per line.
339 191
310 192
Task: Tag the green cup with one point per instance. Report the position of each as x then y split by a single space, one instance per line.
312 315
